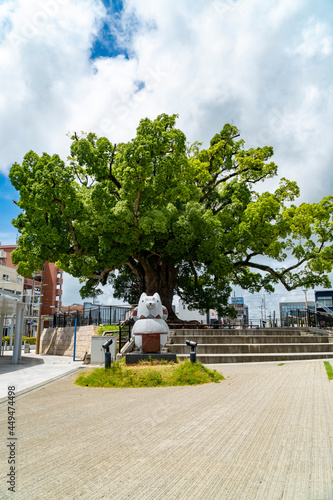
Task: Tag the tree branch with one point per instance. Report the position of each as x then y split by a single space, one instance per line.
103 276
268 269
136 208
211 187
70 226
111 176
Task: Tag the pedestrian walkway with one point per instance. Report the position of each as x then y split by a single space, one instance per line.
32 371
265 432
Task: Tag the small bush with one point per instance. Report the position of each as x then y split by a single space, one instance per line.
147 375
30 340
188 373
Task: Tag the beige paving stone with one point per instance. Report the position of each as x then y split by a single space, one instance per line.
266 432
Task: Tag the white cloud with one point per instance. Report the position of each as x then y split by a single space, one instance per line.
43 58
264 66
316 40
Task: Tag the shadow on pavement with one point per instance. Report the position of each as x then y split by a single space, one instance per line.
6 365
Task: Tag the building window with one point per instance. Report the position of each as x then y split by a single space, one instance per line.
19 280
5 277
324 302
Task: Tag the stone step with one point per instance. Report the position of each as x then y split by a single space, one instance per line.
256 358
249 339
226 331
252 348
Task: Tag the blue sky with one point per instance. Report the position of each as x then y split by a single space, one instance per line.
101 66
8 210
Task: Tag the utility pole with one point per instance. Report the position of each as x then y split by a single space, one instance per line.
260 307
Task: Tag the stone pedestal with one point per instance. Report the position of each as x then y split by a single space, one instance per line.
135 357
151 342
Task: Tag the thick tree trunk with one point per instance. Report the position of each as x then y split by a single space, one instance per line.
161 278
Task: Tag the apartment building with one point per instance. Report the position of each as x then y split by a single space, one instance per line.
10 281
31 287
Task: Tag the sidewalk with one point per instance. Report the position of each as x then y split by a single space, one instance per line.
33 371
265 432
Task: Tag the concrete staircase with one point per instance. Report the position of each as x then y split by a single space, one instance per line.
245 346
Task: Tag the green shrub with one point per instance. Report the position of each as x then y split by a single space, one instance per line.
188 373
30 340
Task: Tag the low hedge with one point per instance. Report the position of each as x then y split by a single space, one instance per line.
30 340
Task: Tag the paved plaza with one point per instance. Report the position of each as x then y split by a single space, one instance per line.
266 432
33 371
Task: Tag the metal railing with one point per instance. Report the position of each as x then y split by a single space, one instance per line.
68 319
124 335
310 318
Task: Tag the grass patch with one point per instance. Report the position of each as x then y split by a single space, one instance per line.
152 375
329 370
106 328
281 364
154 362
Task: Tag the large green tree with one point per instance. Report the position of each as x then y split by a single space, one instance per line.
155 214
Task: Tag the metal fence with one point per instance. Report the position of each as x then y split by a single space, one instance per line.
320 319
68 319
309 317
109 315
95 315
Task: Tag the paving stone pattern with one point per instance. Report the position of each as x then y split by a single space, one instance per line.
266 432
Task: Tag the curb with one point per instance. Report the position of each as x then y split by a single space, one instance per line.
36 387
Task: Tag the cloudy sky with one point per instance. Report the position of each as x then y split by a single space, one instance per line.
93 65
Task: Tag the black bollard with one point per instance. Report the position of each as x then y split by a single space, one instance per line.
106 346
193 354
107 359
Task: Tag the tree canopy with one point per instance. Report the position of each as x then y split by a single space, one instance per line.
158 215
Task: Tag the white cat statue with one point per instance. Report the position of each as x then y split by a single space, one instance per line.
150 330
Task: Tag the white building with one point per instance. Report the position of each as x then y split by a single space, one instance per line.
10 281
185 314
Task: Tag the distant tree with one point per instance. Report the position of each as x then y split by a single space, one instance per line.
157 215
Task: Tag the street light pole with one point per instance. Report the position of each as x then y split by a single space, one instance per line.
306 308
39 313
32 304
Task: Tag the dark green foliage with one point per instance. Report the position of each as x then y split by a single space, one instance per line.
157 215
